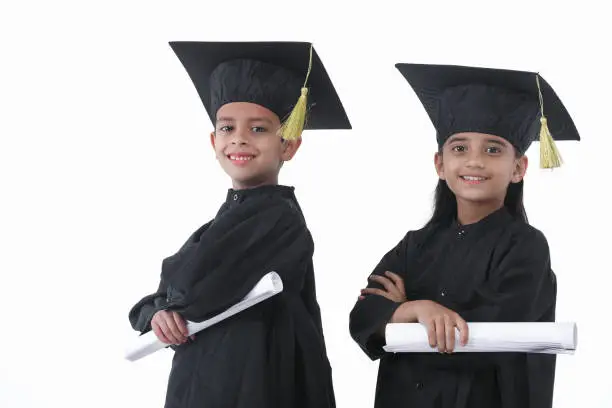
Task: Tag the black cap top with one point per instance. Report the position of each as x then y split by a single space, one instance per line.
270 74
500 102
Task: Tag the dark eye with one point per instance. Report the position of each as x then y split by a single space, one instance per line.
258 129
493 149
459 148
226 128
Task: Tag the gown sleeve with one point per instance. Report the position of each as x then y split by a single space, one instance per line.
142 312
370 315
259 236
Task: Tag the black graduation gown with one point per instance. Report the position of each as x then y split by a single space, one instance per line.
496 270
271 355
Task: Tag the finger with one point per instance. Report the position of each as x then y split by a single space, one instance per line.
449 326
180 323
440 337
463 329
431 333
361 297
375 291
387 283
163 327
381 292
159 333
398 281
174 329
164 324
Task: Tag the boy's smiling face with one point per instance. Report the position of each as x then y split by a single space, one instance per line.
248 146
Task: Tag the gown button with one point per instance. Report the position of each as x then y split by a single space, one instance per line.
235 197
443 293
419 385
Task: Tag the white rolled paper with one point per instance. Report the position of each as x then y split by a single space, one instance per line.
268 286
525 337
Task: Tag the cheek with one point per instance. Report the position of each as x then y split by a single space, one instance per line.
504 172
508 167
219 147
271 149
450 166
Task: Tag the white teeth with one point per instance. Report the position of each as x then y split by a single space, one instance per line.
472 178
241 158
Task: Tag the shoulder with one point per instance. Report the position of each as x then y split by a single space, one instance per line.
523 244
413 239
525 235
423 235
288 206
274 208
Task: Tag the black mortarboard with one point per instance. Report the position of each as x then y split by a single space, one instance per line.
286 77
519 106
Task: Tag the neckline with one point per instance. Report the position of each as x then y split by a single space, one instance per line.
239 195
495 219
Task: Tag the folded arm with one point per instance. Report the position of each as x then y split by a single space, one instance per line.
237 250
371 314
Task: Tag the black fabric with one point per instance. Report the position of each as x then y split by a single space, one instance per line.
500 102
267 85
270 355
270 74
491 110
495 270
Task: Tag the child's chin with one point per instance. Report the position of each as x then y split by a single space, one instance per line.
246 178
476 197
469 193
237 173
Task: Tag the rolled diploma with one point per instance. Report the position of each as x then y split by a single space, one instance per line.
268 286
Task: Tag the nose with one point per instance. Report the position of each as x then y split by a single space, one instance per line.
475 159
239 136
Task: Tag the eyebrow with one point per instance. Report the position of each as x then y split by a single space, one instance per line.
457 139
498 142
465 139
253 119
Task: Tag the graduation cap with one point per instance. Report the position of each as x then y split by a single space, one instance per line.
288 78
518 106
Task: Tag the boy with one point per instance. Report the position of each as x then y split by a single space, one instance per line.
273 354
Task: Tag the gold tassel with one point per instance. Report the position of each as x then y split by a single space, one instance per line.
293 126
549 154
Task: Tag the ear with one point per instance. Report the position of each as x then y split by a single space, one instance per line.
290 147
520 168
213 143
439 165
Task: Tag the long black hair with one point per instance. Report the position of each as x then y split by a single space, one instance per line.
445 203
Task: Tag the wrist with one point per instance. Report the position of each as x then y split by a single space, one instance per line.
405 313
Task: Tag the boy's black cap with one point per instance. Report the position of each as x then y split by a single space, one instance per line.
270 74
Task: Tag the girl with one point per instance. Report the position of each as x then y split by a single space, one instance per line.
477 259
273 354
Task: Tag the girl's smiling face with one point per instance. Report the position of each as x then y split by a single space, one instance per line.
479 167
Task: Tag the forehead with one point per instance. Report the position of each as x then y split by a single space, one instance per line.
475 137
245 110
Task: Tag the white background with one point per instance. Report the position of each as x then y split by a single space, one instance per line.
106 168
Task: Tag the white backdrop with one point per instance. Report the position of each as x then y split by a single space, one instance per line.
106 168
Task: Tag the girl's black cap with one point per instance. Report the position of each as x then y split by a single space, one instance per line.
505 103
